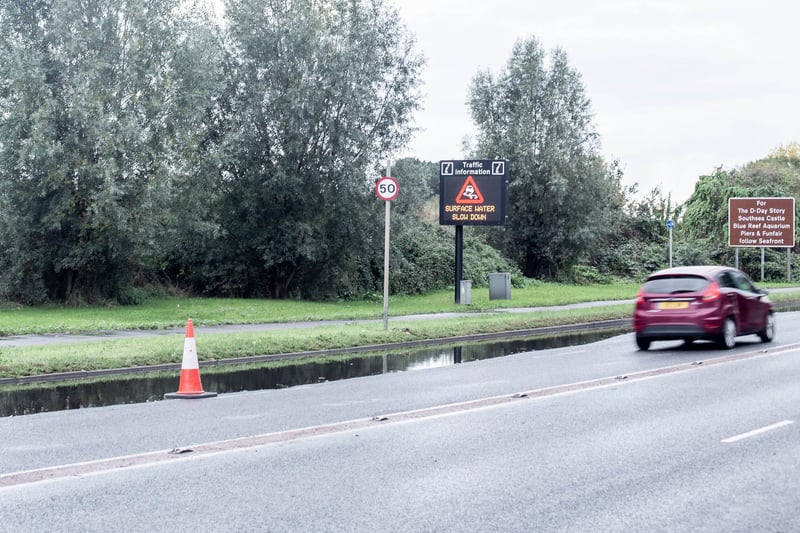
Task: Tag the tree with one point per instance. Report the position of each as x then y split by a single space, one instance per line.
419 184
535 114
705 220
87 120
638 244
317 93
789 153
706 216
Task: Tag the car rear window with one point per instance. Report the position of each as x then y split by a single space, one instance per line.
675 284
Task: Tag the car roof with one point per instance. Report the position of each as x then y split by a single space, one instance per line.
707 271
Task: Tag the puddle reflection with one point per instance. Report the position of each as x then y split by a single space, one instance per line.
18 400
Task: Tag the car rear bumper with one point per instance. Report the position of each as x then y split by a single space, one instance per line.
675 331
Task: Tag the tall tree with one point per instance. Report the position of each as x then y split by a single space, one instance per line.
419 183
536 114
319 93
705 219
87 95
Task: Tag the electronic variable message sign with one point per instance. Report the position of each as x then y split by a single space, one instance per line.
473 192
761 222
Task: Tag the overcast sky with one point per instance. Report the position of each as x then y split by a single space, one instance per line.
678 87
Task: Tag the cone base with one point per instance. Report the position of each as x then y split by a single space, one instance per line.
188 395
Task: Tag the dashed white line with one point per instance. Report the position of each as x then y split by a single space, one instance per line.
758 431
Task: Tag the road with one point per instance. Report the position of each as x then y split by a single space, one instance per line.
591 438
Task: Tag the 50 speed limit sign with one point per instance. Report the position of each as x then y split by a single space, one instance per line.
387 188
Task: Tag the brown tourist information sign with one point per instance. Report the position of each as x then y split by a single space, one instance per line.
761 222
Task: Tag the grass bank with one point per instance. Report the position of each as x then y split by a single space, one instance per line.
165 313
168 348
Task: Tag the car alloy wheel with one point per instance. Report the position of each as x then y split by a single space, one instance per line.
728 338
768 333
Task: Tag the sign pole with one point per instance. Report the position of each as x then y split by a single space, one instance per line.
670 247
386 267
670 225
387 190
459 260
386 249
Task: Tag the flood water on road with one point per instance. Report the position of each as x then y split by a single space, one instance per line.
18 400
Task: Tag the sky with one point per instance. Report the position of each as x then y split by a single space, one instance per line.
678 87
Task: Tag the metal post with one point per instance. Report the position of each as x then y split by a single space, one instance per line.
386 256
789 265
459 260
670 247
762 263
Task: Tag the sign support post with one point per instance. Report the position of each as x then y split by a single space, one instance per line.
387 190
670 225
459 261
386 249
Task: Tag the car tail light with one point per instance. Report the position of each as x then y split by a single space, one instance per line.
712 292
640 297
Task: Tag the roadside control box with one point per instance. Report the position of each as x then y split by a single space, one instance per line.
500 286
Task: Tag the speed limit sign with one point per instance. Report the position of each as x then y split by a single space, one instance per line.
387 188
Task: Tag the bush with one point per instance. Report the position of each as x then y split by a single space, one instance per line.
132 296
422 259
586 275
628 260
480 260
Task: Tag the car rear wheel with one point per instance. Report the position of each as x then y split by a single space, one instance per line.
643 344
727 339
768 333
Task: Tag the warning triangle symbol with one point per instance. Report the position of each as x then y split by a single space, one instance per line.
469 193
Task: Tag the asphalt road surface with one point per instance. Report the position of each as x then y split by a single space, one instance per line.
600 437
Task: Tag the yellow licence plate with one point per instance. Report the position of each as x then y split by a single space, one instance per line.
673 305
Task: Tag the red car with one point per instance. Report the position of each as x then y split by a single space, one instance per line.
701 302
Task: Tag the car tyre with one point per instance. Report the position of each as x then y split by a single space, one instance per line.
643 344
768 333
727 338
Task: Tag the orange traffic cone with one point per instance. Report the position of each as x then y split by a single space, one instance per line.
190 386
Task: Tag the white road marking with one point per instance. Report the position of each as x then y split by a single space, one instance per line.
759 431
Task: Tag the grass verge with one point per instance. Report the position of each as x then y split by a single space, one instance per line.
165 313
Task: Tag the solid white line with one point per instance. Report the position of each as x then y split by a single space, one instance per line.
757 431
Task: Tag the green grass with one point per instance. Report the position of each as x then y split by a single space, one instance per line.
168 348
173 312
